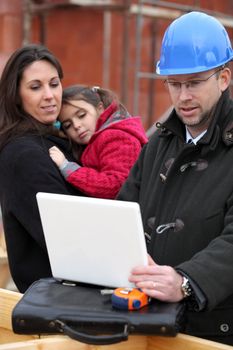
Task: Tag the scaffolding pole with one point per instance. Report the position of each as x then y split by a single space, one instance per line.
106 48
27 21
139 22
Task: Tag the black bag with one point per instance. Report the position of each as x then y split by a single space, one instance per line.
84 314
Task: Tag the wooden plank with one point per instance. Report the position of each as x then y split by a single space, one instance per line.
2 242
184 342
7 336
4 273
64 343
8 300
181 342
4 268
3 254
52 343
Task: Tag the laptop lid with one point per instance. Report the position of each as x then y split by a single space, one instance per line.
92 240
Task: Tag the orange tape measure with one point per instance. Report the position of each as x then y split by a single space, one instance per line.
129 299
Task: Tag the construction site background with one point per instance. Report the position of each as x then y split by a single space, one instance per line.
113 44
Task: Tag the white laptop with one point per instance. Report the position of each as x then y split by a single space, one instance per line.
92 240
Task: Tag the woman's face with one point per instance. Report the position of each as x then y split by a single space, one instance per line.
40 91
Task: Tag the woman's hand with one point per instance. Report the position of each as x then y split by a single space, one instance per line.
158 281
57 156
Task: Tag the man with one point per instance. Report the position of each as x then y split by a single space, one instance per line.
185 189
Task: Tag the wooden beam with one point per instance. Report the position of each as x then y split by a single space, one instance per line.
158 12
8 300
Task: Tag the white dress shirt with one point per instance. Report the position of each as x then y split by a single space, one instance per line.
190 139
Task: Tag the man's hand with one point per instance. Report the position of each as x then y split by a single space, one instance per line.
158 281
57 156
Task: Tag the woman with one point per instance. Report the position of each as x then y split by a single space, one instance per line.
94 119
30 101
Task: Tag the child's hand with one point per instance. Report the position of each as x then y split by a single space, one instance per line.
57 156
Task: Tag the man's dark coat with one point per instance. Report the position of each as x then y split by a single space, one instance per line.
188 189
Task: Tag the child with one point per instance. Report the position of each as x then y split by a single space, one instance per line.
105 138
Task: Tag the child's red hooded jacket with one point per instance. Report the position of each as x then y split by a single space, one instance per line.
109 155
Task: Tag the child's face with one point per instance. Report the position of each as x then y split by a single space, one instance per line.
78 119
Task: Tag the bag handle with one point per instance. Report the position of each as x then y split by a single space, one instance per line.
93 339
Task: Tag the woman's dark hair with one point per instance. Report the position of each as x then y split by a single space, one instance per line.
14 120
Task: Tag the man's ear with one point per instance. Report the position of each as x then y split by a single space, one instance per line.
224 78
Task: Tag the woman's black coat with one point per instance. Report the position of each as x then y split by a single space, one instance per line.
25 169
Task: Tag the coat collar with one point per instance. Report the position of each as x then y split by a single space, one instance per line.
221 125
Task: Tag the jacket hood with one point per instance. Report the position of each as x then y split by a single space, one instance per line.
119 119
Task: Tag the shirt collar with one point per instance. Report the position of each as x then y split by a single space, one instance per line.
190 139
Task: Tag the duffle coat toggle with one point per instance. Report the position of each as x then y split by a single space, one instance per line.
229 136
151 225
199 165
177 226
168 165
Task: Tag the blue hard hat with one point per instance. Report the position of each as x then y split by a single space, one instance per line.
194 42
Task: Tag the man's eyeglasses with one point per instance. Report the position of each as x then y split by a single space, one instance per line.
191 85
